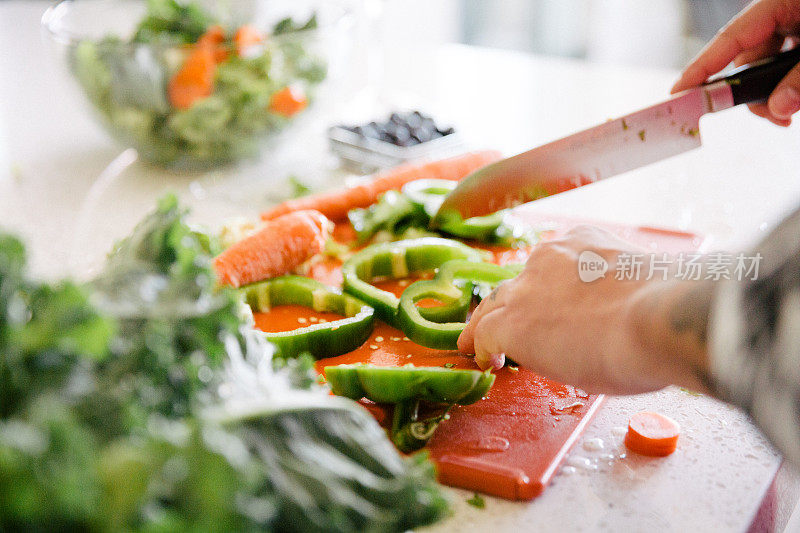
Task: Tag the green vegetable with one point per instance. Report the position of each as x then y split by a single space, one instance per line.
322 339
395 384
173 22
159 284
444 335
398 260
407 388
397 215
288 25
394 212
477 501
428 195
299 189
45 331
143 402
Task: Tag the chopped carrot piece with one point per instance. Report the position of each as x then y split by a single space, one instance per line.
214 38
652 434
279 247
194 80
336 204
245 37
288 101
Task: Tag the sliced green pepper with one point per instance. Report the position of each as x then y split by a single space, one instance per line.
406 387
396 384
444 336
398 260
429 194
394 212
321 340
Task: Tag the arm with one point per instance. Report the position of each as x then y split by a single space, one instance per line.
738 340
619 336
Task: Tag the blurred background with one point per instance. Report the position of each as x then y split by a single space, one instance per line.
655 33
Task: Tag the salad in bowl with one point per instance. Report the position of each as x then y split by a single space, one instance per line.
188 87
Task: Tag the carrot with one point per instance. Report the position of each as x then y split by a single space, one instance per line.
214 37
279 247
288 101
245 37
336 204
652 434
195 79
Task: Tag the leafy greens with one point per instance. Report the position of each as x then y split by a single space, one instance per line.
146 401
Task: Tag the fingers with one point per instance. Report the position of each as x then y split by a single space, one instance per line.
490 333
491 302
754 26
785 99
769 47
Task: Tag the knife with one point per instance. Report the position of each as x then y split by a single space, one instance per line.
646 136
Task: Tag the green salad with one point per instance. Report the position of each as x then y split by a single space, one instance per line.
145 401
189 93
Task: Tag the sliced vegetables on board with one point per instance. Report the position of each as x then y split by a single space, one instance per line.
652 434
394 384
398 260
322 339
444 336
408 388
336 204
151 405
279 247
428 195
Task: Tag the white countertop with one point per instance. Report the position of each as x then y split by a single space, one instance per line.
733 189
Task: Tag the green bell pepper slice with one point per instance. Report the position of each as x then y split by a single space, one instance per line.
392 212
406 387
444 336
429 194
321 340
398 260
396 384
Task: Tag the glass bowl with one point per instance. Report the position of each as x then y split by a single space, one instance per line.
190 89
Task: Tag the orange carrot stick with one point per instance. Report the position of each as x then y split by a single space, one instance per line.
245 37
336 204
195 79
652 434
279 247
288 101
214 38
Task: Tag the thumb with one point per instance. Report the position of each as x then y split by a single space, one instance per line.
785 99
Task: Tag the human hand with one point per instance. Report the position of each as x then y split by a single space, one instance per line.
607 335
759 31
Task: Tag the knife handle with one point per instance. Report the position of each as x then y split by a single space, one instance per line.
754 82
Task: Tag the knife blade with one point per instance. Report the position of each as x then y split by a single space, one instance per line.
635 140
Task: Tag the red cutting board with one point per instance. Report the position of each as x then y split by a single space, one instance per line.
511 443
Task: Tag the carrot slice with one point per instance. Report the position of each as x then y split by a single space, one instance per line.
195 79
652 434
245 37
279 247
336 204
288 101
214 38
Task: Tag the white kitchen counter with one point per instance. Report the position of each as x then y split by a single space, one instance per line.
732 190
